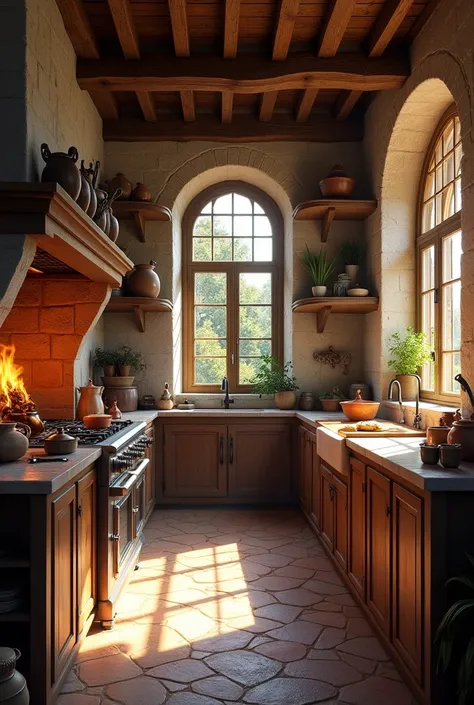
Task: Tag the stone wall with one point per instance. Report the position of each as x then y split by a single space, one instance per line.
290 173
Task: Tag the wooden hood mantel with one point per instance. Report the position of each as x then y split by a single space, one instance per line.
59 226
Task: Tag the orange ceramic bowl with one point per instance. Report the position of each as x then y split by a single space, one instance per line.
360 410
97 420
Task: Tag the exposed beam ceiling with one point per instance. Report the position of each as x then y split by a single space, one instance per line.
335 24
78 28
179 27
106 104
305 104
422 19
391 16
284 31
345 103
231 28
226 108
187 104
249 74
146 104
267 105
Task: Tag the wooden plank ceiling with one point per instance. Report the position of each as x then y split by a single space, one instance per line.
240 70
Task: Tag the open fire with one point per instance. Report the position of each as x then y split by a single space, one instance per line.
14 399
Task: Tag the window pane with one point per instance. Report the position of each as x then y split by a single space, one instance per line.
223 204
448 137
448 202
457 189
203 226
257 209
451 368
263 249
243 226
255 348
262 227
222 226
248 368
452 316
438 151
427 268
202 249
255 288
457 160
448 168
210 370
242 204
457 130
452 256
222 249
210 288
428 216
243 250
255 322
428 328
210 348
210 322
429 186
207 208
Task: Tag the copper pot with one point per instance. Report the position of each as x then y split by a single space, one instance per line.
120 181
337 184
462 432
141 193
358 409
144 281
61 168
90 401
97 421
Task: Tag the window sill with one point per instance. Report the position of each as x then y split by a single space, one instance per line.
424 405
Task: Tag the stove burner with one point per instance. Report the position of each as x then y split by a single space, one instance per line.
85 436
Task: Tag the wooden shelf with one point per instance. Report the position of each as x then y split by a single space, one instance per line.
330 209
324 305
138 305
141 212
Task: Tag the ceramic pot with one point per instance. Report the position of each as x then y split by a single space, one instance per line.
365 390
92 203
330 404
114 411
285 400
341 286
306 401
124 370
107 221
91 421
84 197
449 417
462 432
109 370
450 455
359 409
319 290
337 184
101 220
141 193
435 435
121 181
13 443
429 453
114 226
352 271
409 387
61 167
165 404
13 688
60 443
90 400
127 397
144 281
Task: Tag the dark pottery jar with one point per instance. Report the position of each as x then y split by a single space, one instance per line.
84 198
429 454
114 226
141 193
144 281
13 688
120 181
450 455
337 183
462 431
127 397
61 168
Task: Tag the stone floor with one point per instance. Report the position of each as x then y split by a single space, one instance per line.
234 606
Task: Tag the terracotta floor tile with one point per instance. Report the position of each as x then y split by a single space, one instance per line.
291 691
218 687
303 632
103 671
363 665
245 667
367 647
283 651
336 673
139 691
330 637
375 690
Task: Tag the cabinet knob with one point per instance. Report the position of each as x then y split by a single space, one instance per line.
79 510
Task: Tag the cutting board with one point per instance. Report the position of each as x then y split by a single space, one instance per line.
392 430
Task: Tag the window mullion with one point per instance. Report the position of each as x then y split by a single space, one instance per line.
438 315
232 327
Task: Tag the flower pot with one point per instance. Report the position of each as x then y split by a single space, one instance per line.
109 370
285 400
124 370
319 290
330 404
352 270
409 387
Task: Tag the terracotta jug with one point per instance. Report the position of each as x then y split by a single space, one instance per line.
144 281
13 688
114 411
141 193
462 431
120 181
90 400
13 443
61 167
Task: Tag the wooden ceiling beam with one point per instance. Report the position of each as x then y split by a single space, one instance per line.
242 129
146 104
226 108
287 15
187 104
334 27
345 103
78 28
125 27
106 104
388 21
179 27
305 104
267 106
248 74
231 28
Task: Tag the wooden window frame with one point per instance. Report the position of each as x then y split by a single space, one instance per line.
424 240
233 269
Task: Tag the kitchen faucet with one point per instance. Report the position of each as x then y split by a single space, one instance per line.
389 395
225 388
417 417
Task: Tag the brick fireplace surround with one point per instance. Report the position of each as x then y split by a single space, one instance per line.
47 324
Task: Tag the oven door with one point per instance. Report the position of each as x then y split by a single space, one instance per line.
125 511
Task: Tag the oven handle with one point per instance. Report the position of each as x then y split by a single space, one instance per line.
122 490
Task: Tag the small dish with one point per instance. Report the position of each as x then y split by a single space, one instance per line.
358 292
429 453
450 454
97 421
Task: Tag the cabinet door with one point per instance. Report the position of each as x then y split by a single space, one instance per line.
316 488
327 506
306 469
340 521
357 524
64 579
194 461
378 547
407 597
86 547
259 457
150 472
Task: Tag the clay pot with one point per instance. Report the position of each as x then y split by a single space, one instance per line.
450 455
358 409
13 688
462 432
124 370
141 193
121 181
330 404
114 411
61 168
144 281
109 370
114 227
429 454
90 401
91 421
127 397
435 435
352 271
13 443
319 290
60 443
84 197
448 418
285 400
101 220
337 184
107 221
306 401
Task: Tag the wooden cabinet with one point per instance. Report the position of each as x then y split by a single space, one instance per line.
86 548
357 526
316 489
327 507
194 460
259 457
306 447
150 472
378 547
340 521
407 598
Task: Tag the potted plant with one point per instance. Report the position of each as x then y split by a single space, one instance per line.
106 359
319 267
352 253
408 355
276 379
127 358
455 637
330 400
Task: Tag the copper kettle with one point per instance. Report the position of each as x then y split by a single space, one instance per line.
90 400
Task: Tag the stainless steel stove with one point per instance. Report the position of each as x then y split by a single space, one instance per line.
85 436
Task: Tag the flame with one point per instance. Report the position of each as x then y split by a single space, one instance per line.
13 394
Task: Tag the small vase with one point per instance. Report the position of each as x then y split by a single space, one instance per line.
319 290
13 688
109 370
13 443
144 281
124 370
306 401
285 400
141 193
114 411
352 270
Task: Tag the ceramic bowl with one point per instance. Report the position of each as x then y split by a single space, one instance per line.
337 186
97 421
360 410
357 292
117 381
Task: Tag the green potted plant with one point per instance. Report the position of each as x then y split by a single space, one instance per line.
319 267
106 359
352 253
274 378
408 355
455 637
330 400
128 359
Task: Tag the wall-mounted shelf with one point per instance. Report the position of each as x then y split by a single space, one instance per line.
322 306
141 212
329 209
138 305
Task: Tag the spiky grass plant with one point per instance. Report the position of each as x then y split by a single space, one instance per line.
318 265
352 252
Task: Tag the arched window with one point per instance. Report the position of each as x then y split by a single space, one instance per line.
439 260
232 254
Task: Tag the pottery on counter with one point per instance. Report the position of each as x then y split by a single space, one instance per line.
462 432
30 418
429 453
450 455
118 381
337 184
306 401
141 193
329 404
90 400
13 687
91 421
285 400
341 285
365 391
127 397
109 370
360 409
114 411
165 402
357 292
144 281
60 443
120 181
61 167
13 442
124 370
435 435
